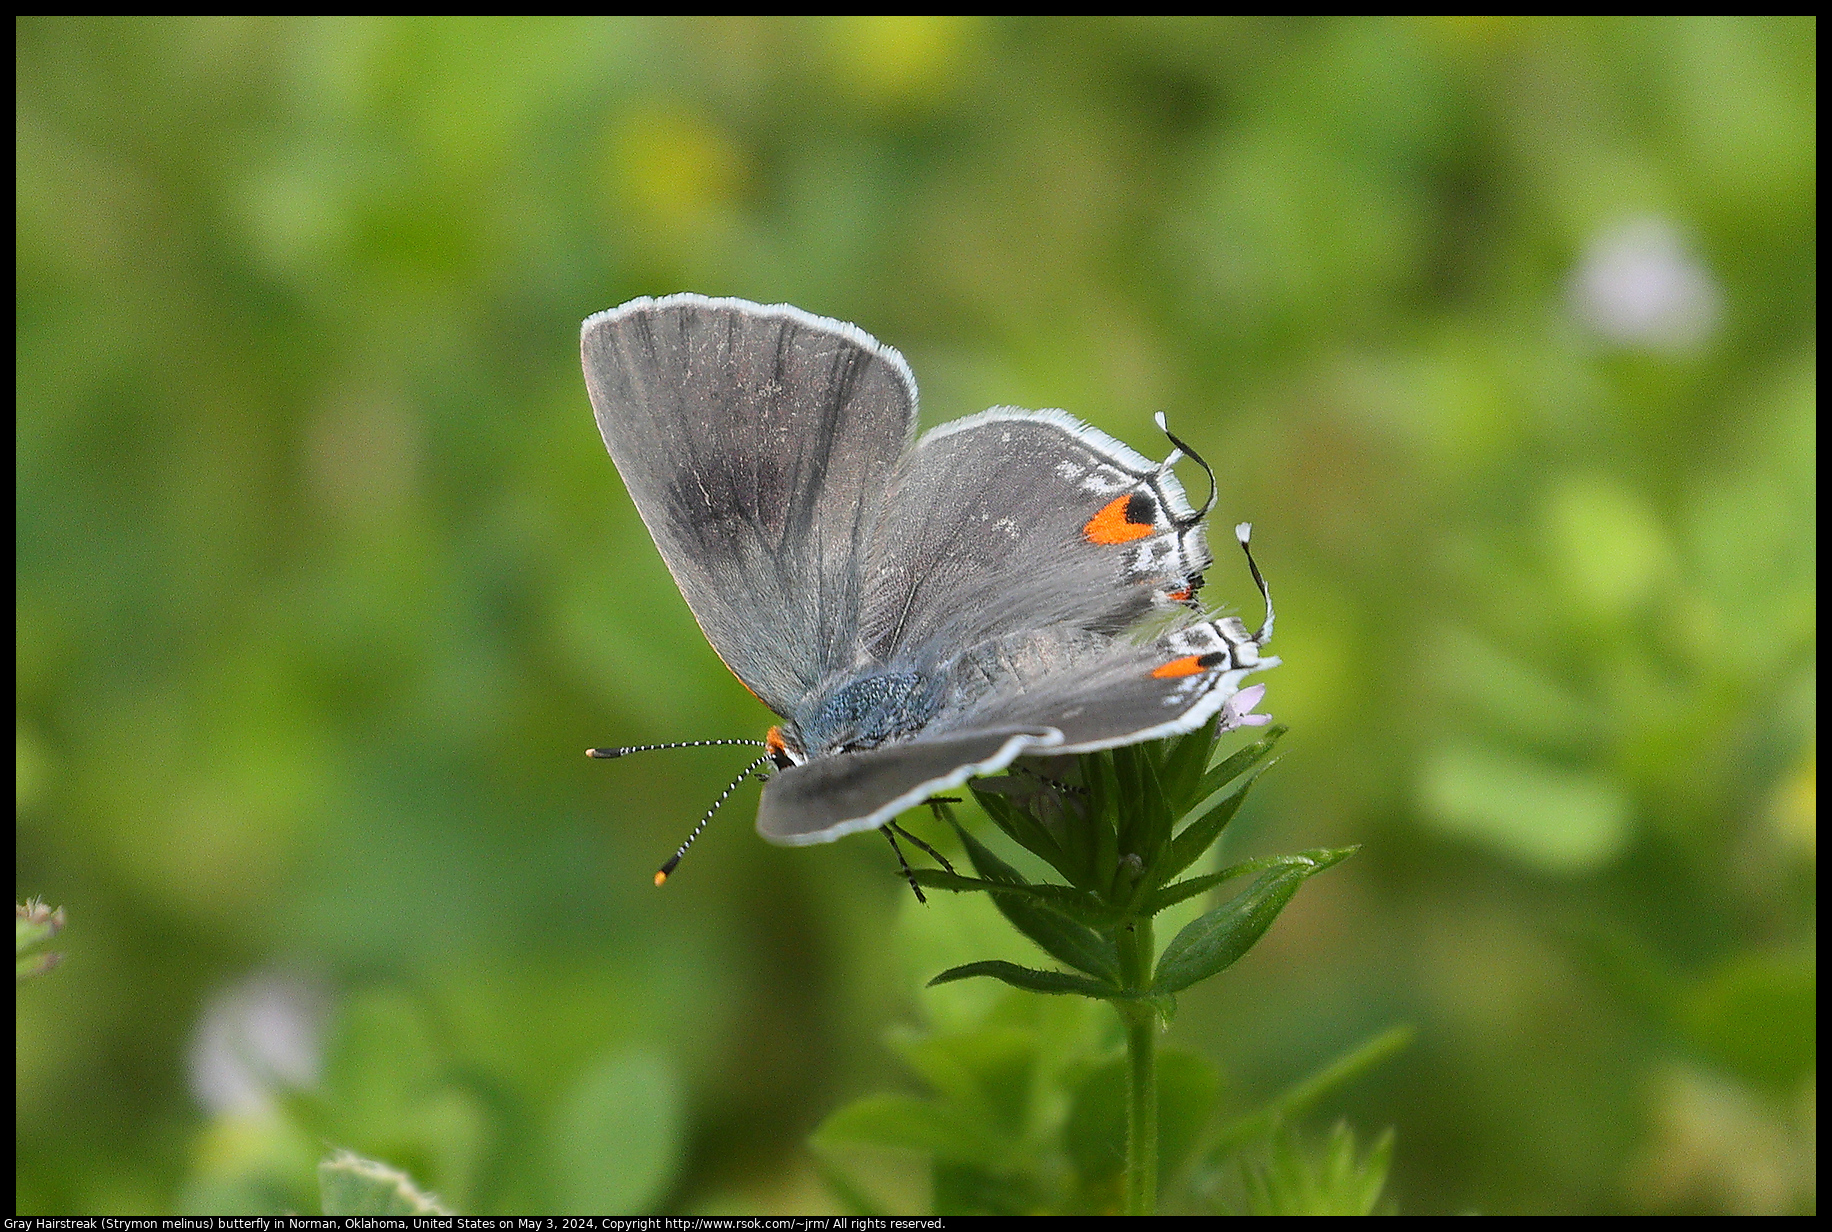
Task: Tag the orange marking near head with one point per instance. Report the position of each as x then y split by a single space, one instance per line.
773 743
1178 595
1112 525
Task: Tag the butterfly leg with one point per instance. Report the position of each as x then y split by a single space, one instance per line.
903 863
938 856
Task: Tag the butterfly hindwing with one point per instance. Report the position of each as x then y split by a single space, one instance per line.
844 793
1125 692
1013 520
1057 692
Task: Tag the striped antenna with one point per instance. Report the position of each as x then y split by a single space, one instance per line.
1244 532
1181 448
608 754
662 874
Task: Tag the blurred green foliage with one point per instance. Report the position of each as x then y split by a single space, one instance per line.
1501 331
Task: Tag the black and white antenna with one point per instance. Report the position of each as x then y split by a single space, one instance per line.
661 874
1192 455
608 754
624 751
1244 532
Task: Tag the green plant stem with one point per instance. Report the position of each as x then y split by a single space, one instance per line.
1141 1070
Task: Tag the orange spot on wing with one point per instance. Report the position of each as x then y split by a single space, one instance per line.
1111 525
1188 665
1178 595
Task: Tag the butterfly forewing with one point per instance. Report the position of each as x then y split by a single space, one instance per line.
757 444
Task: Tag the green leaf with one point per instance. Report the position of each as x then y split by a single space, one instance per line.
1325 1180
1127 778
1171 895
1238 763
907 1123
1066 899
1061 937
968 1189
348 1184
1146 817
1029 978
1020 826
985 1074
1200 834
1302 1095
620 1135
1214 941
1180 769
1096 844
1066 940
1756 1015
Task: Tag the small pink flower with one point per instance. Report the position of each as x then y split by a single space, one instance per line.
1237 710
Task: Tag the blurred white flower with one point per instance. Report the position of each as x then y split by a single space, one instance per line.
1640 284
255 1036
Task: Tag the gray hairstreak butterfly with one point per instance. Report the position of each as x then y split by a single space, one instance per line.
917 611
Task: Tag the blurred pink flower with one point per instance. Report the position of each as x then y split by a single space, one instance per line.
256 1036
1641 284
1237 710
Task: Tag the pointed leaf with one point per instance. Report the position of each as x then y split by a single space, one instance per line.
1029 978
1103 833
1062 938
1181 762
1081 844
1214 941
1171 895
1066 899
1145 818
1295 1100
1327 1179
1238 763
1200 834
1022 828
